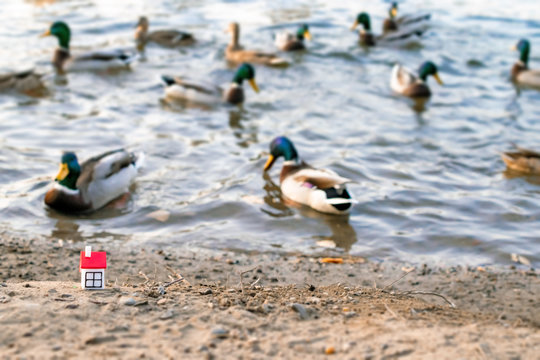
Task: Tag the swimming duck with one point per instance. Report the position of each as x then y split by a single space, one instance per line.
522 160
167 38
207 93
320 189
286 41
393 23
397 38
521 73
404 82
92 185
235 52
22 81
95 60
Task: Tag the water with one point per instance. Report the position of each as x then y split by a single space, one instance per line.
430 184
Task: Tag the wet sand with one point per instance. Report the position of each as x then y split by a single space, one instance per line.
256 306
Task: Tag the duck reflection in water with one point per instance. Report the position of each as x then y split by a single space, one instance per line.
343 234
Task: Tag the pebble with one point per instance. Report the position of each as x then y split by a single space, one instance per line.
167 315
162 301
3 284
206 291
301 310
72 306
349 314
128 301
220 333
329 350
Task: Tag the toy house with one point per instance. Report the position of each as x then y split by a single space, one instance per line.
92 267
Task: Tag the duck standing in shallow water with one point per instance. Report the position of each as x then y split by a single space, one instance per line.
522 160
95 60
167 38
92 185
320 189
207 93
286 41
235 52
521 74
404 82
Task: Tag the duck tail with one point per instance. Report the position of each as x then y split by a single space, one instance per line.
138 160
168 80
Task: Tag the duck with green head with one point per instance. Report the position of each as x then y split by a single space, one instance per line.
521 73
92 185
404 82
418 22
403 37
320 189
200 92
286 41
96 60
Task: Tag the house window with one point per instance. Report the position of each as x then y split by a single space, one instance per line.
93 280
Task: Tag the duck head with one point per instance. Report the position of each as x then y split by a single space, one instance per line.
393 10
429 68
61 31
303 32
362 19
69 171
246 72
280 146
524 48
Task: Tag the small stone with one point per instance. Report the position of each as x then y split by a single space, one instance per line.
301 310
162 301
3 284
56 348
66 296
167 315
220 333
52 291
206 291
72 306
128 301
4 299
314 300
96 340
349 314
329 350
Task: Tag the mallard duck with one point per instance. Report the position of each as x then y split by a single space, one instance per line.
286 41
404 82
22 81
235 52
95 60
207 93
521 73
320 189
167 38
393 23
522 160
396 38
92 185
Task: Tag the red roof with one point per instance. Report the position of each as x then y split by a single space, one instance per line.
97 260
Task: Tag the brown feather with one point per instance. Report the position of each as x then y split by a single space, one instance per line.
59 59
523 160
389 25
367 39
65 202
417 90
516 69
235 95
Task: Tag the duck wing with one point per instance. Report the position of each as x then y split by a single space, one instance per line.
524 160
193 84
170 37
321 178
104 166
401 78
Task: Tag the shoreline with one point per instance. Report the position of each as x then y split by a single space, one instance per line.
233 305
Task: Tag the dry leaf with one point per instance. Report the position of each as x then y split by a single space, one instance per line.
332 260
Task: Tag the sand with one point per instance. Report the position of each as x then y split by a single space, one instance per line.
220 305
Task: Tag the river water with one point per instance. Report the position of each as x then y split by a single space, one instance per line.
430 184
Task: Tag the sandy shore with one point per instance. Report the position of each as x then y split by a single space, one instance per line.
257 306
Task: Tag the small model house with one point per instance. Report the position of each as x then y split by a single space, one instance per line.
92 267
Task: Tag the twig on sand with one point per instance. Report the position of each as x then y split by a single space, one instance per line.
390 311
414 292
401 277
254 283
179 277
242 275
144 276
166 285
